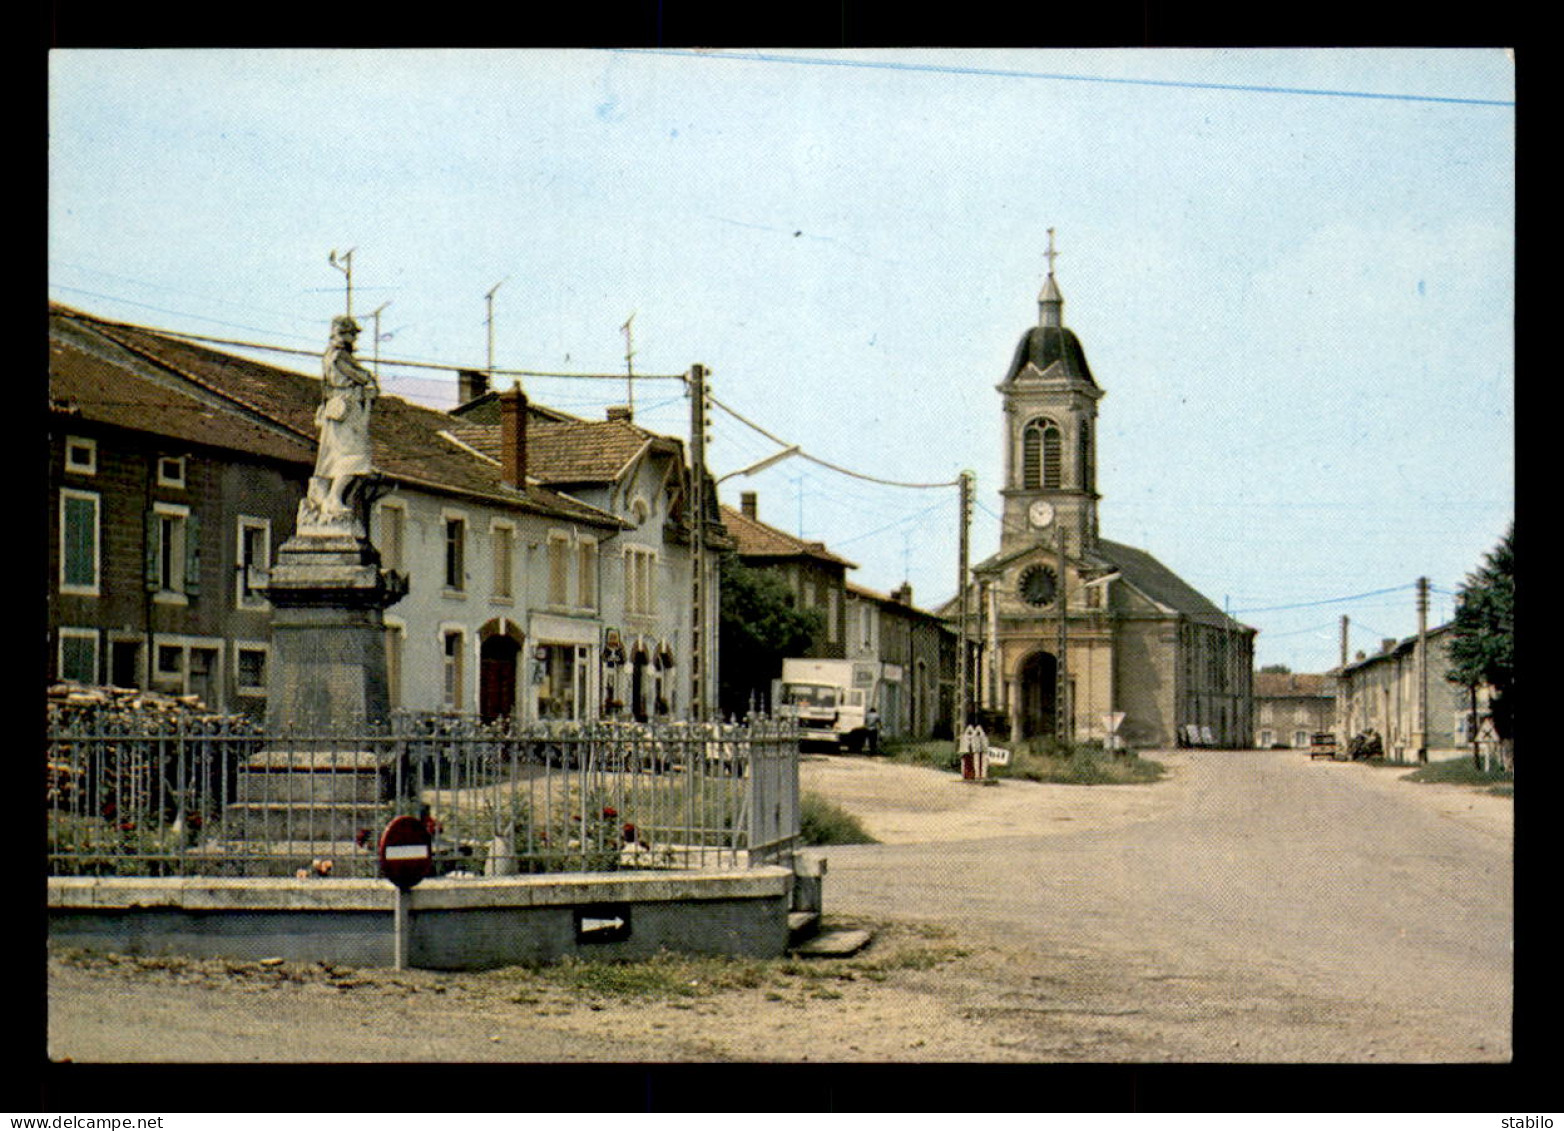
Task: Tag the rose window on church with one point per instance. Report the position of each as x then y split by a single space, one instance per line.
1039 585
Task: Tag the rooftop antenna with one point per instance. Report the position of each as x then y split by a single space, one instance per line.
344 263
489 321
629 332
375 314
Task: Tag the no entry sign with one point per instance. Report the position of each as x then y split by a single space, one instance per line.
406 852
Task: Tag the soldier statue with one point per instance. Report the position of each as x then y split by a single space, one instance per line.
342 463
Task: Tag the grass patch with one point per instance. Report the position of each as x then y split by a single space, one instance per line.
663 977
1041 760
824 822
1464 771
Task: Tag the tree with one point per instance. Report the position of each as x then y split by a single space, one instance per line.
1276 669
758 626
1482 639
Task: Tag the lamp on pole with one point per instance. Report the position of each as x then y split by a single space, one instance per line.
754 468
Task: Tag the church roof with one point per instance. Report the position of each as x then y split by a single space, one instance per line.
1042 346
1162 585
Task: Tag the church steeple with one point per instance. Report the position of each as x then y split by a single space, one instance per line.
1050 402
1050 303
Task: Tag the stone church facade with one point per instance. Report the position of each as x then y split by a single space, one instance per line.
1141 649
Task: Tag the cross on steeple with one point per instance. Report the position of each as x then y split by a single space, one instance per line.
1050 254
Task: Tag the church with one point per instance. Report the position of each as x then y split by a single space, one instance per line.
1072 635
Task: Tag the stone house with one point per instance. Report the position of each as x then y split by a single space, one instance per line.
1290 708
165 505
1381 693
514 586
815 576
917 653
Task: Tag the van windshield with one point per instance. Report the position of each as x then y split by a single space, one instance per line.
809 695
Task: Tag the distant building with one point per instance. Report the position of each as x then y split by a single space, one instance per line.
1289 708
1140 642
917 653
816 578
1380 693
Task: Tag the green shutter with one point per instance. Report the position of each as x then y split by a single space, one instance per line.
80 542
192 555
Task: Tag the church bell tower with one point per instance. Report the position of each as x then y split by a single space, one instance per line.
1050 406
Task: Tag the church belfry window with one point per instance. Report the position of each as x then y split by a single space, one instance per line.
1041 454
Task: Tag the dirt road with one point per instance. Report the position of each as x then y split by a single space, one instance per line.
1253 907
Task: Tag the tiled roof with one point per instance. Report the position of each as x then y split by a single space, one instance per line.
1285 685
754 539
570 451
892 602
407 444
85 385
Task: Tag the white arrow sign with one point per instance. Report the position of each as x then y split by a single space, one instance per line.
601 924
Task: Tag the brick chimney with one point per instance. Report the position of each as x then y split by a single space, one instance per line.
470 385
902 594
620 412
1386 645
513 438
749 506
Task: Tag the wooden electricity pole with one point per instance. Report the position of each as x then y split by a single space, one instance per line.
700 630
963 692
1422 669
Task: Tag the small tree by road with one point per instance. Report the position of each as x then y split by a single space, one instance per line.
1482 639
759 625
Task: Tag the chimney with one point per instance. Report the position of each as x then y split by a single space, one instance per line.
1387 644
470 385
902 594
513 438
749 505
621 412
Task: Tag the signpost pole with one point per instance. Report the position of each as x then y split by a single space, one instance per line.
404 896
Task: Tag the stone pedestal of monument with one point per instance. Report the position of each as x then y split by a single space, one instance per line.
315 790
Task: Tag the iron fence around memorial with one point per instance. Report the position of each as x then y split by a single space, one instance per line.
221 797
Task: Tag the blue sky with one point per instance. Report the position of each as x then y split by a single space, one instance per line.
1292 272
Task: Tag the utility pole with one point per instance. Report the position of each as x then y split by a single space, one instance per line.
700 674
344 263
1343 698
489 322
1422 669
1064 723
629 365
963 694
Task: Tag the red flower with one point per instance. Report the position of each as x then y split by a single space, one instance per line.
609 813
629 831
127 826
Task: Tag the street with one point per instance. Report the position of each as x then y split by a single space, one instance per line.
1253 907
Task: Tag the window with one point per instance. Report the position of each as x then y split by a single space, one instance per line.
78 543
250 669
452 660
171 471
558 568
1267 739
586 583
393 525
78 655
173 553
81 455
455 553
395 635
1086 469
255 558
502 539
1041 453
640 594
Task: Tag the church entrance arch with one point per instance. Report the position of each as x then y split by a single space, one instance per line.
499 652
1039 684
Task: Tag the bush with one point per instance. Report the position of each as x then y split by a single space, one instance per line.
824 822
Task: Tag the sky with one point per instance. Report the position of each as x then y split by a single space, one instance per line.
1292 272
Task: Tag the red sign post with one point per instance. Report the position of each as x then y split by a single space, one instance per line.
406 856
